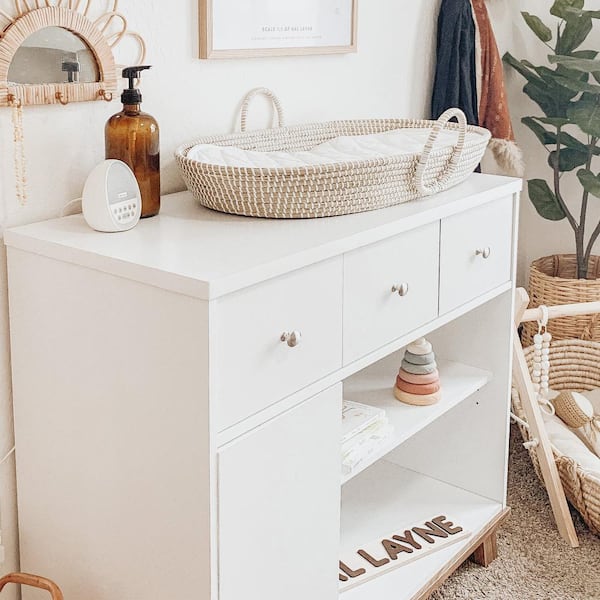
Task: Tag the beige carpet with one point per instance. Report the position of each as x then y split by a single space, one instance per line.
534 562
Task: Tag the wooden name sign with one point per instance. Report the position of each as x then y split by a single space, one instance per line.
397 550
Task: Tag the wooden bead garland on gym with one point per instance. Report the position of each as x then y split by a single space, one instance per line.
541 361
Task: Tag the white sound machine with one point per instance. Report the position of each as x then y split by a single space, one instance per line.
111 197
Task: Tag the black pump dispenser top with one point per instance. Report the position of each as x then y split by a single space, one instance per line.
132 95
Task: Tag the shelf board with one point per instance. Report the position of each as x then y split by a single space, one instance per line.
388 497
374 386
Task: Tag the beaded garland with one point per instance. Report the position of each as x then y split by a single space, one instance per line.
541 362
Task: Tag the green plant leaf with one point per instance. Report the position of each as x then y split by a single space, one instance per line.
591 54
590 182
569 160
537 26
555 121
545 201
573 74
584 65
560 8
546 94
586 114
577 85
539 94
521 67
553 80
547 138
576 30
592 14
550 95
570 142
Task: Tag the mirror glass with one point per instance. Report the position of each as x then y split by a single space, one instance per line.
54 55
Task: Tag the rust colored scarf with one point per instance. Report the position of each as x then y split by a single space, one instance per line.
493 102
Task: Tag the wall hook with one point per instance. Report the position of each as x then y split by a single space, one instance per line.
106 96
10 99
59 96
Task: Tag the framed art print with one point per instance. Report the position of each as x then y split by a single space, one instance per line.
242 28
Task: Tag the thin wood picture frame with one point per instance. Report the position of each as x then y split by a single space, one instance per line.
208 50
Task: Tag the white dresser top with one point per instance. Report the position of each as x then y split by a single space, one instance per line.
205 254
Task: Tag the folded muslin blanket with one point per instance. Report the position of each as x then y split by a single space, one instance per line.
338 150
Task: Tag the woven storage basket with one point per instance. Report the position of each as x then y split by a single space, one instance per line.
552 281
332 189
574 365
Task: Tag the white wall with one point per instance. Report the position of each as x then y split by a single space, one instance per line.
389 76
538 237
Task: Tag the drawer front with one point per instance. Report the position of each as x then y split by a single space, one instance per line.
254 368
374 315
476 252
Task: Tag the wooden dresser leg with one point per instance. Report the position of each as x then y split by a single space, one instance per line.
485 554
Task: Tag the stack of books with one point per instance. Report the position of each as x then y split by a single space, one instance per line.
364 430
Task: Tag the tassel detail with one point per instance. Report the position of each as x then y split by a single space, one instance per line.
508 156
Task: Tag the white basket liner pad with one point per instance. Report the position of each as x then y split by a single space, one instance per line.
343 149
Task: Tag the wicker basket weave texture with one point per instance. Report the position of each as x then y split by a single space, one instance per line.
575 366
331 189
552 281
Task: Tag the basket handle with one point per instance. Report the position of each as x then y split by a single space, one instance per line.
425 190
265 92
33 581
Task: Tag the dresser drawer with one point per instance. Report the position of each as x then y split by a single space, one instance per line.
254 368
376 310
476 252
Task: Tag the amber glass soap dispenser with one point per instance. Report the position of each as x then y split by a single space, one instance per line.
133 137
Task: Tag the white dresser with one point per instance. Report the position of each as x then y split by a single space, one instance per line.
178 390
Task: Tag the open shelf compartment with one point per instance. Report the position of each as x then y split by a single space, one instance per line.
388 498
374 386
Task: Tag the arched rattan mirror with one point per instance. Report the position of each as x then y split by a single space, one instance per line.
56 52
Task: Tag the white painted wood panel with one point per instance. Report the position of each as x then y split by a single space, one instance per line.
279 506
374 386
386 497
374 315
475 434
113 459
200 252
464 274
254 368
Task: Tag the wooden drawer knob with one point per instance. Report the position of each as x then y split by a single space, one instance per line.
292 339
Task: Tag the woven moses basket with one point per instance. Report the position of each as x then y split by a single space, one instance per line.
332 189
574 365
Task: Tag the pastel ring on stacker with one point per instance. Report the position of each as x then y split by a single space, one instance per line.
415 400
421 346
419 379
419 369
419 359
417 389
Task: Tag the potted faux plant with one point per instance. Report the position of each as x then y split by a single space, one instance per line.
567 90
